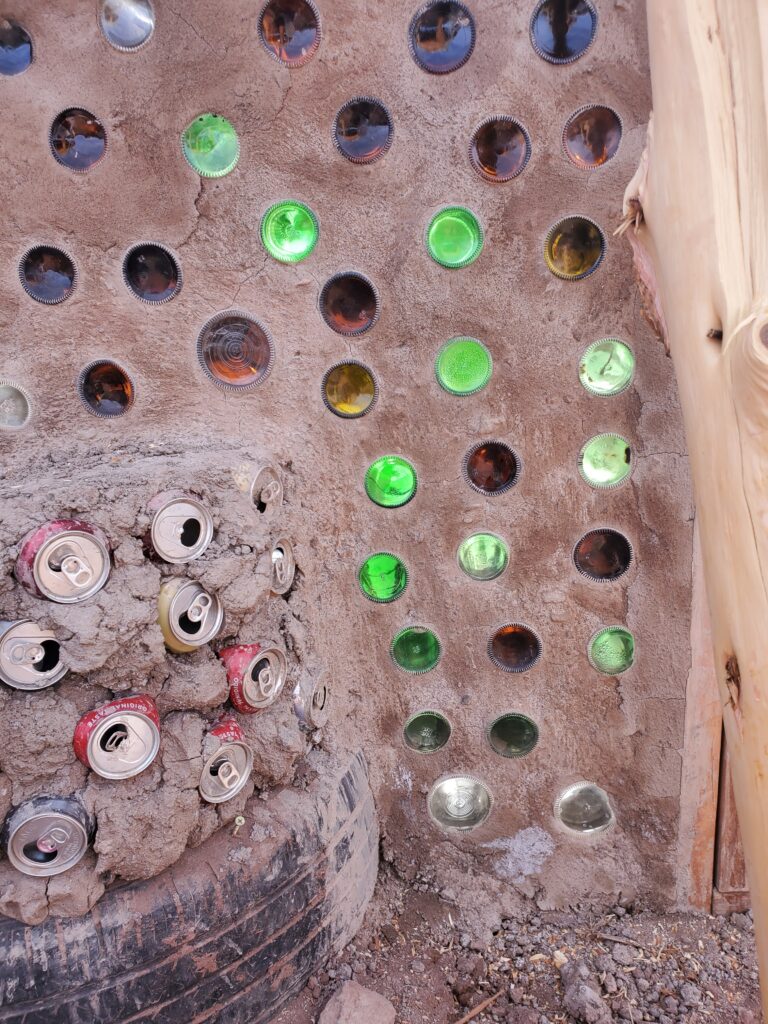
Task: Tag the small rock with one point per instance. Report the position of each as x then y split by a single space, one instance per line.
670 1004
417 967
623 955
353 1004
344 972
464 940
522 1015
746 1016
559 958
389 933
690 994
581 996
609 984
742 922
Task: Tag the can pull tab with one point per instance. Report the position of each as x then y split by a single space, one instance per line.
53 839
270 492
125 743
227 774
199 608
70 561
267 679
280 567
25 651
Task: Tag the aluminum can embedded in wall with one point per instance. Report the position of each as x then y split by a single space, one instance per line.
266 488
182 527
46 835
66 560
256 675
228 769
188 615
283 567
119 739
311 704
30 657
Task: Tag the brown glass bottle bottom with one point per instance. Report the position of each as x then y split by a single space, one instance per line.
106 389
235 351
78 139
592 136
348 304
514 647
500 149
603 554
290 30
491 467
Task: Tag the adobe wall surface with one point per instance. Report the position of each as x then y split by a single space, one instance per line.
623 733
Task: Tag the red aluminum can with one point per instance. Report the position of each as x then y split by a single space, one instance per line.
66 560
228 768
120 739
256 675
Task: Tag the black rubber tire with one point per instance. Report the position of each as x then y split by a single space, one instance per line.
218 938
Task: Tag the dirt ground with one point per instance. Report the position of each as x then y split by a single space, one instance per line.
674 969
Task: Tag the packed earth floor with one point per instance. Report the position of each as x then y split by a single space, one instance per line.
593 968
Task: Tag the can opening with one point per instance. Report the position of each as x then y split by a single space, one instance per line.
188 625
190 532
113 738
40 852
50 658
258 668
319 697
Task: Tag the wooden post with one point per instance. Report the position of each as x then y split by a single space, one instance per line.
696 215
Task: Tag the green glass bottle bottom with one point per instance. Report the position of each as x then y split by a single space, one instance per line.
463 366
612 650
454 237
483 556
427 731
211 146
289 231
415 649
513 735
382 577
390 481
605 461
607 367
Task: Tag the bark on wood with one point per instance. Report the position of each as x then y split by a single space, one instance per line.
696 217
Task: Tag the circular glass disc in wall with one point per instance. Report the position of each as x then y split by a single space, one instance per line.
591 136
513 735
151 272
15 47
14 406
47 274
235 351
210 146
362 131
290 30
500 149
348 304
459 802
607 367
427 731
78 139
442 36
584 808
562 30
491 468
289 231
415 649
514 647
574 248
605 461
483 556
382 577
463 366
454 237
105 389
349 389
127 24
603 554
390 481
612 650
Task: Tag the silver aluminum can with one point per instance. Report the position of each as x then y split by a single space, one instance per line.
66 560
30 657
266 488
311 703
188 615
182 527
47 835
120 739
283 567
228 769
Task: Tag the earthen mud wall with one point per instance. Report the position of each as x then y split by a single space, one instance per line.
624 733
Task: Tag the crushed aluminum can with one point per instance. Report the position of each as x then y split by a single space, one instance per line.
182 527
189 616
119 739
66 560
46 835
228 769
30 657
256 675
